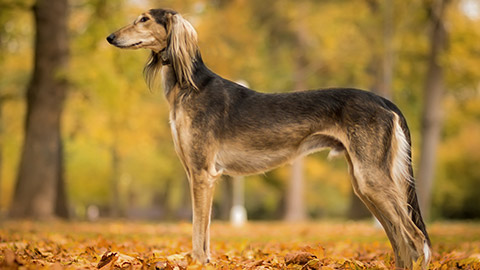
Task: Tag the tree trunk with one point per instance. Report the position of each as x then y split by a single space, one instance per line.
184 212
1 148
432 104
387 67
61 204
226 186
381 67
38 177
295 205
115 207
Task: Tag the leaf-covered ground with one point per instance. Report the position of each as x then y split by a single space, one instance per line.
266 245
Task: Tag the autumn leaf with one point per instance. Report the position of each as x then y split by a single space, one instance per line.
9 260
107 261
269 245
300 258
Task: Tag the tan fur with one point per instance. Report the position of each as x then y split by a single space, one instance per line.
221 127
148 35
184 47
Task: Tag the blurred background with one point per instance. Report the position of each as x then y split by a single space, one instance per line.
82 137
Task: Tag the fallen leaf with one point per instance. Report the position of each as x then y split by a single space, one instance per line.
272 245
9 258
300 258
107 261
125 261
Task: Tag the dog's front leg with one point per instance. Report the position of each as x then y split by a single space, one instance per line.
202 187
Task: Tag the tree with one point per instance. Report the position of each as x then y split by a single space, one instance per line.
39 183
379 33
432 101
295 199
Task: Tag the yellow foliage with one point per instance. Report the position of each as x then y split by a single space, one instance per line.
110 110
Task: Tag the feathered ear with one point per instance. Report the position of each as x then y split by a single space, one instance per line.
151 69
182 49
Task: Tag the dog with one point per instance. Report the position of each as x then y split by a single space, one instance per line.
220 127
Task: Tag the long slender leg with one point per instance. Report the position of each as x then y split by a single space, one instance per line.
388 203
371 207
202 187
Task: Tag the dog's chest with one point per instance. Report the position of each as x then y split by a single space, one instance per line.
179 127
173 128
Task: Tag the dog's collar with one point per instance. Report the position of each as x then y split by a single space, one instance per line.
164 57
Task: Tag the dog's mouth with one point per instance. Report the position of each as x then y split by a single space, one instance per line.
130 45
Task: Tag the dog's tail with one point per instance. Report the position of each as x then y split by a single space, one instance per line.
402 174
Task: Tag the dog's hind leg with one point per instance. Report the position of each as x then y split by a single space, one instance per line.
389 204
358 191
382 178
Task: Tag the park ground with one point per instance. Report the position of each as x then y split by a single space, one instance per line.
257 245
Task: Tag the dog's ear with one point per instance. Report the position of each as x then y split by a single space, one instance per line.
151 70
182 48
162 16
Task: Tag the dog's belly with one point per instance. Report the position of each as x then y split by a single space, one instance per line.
250 161
235 160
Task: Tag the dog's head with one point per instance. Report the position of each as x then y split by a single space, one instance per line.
153 30
171 38
148 31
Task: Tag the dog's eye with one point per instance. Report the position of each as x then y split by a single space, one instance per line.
144 19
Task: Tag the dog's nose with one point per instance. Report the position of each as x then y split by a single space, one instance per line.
111 38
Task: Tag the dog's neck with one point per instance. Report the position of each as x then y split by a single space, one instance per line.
172 87
164 57
169 80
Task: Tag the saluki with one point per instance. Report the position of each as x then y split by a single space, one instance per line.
220 127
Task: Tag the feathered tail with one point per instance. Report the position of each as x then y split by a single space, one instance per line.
402 174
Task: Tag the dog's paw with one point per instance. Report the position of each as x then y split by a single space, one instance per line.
200 257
